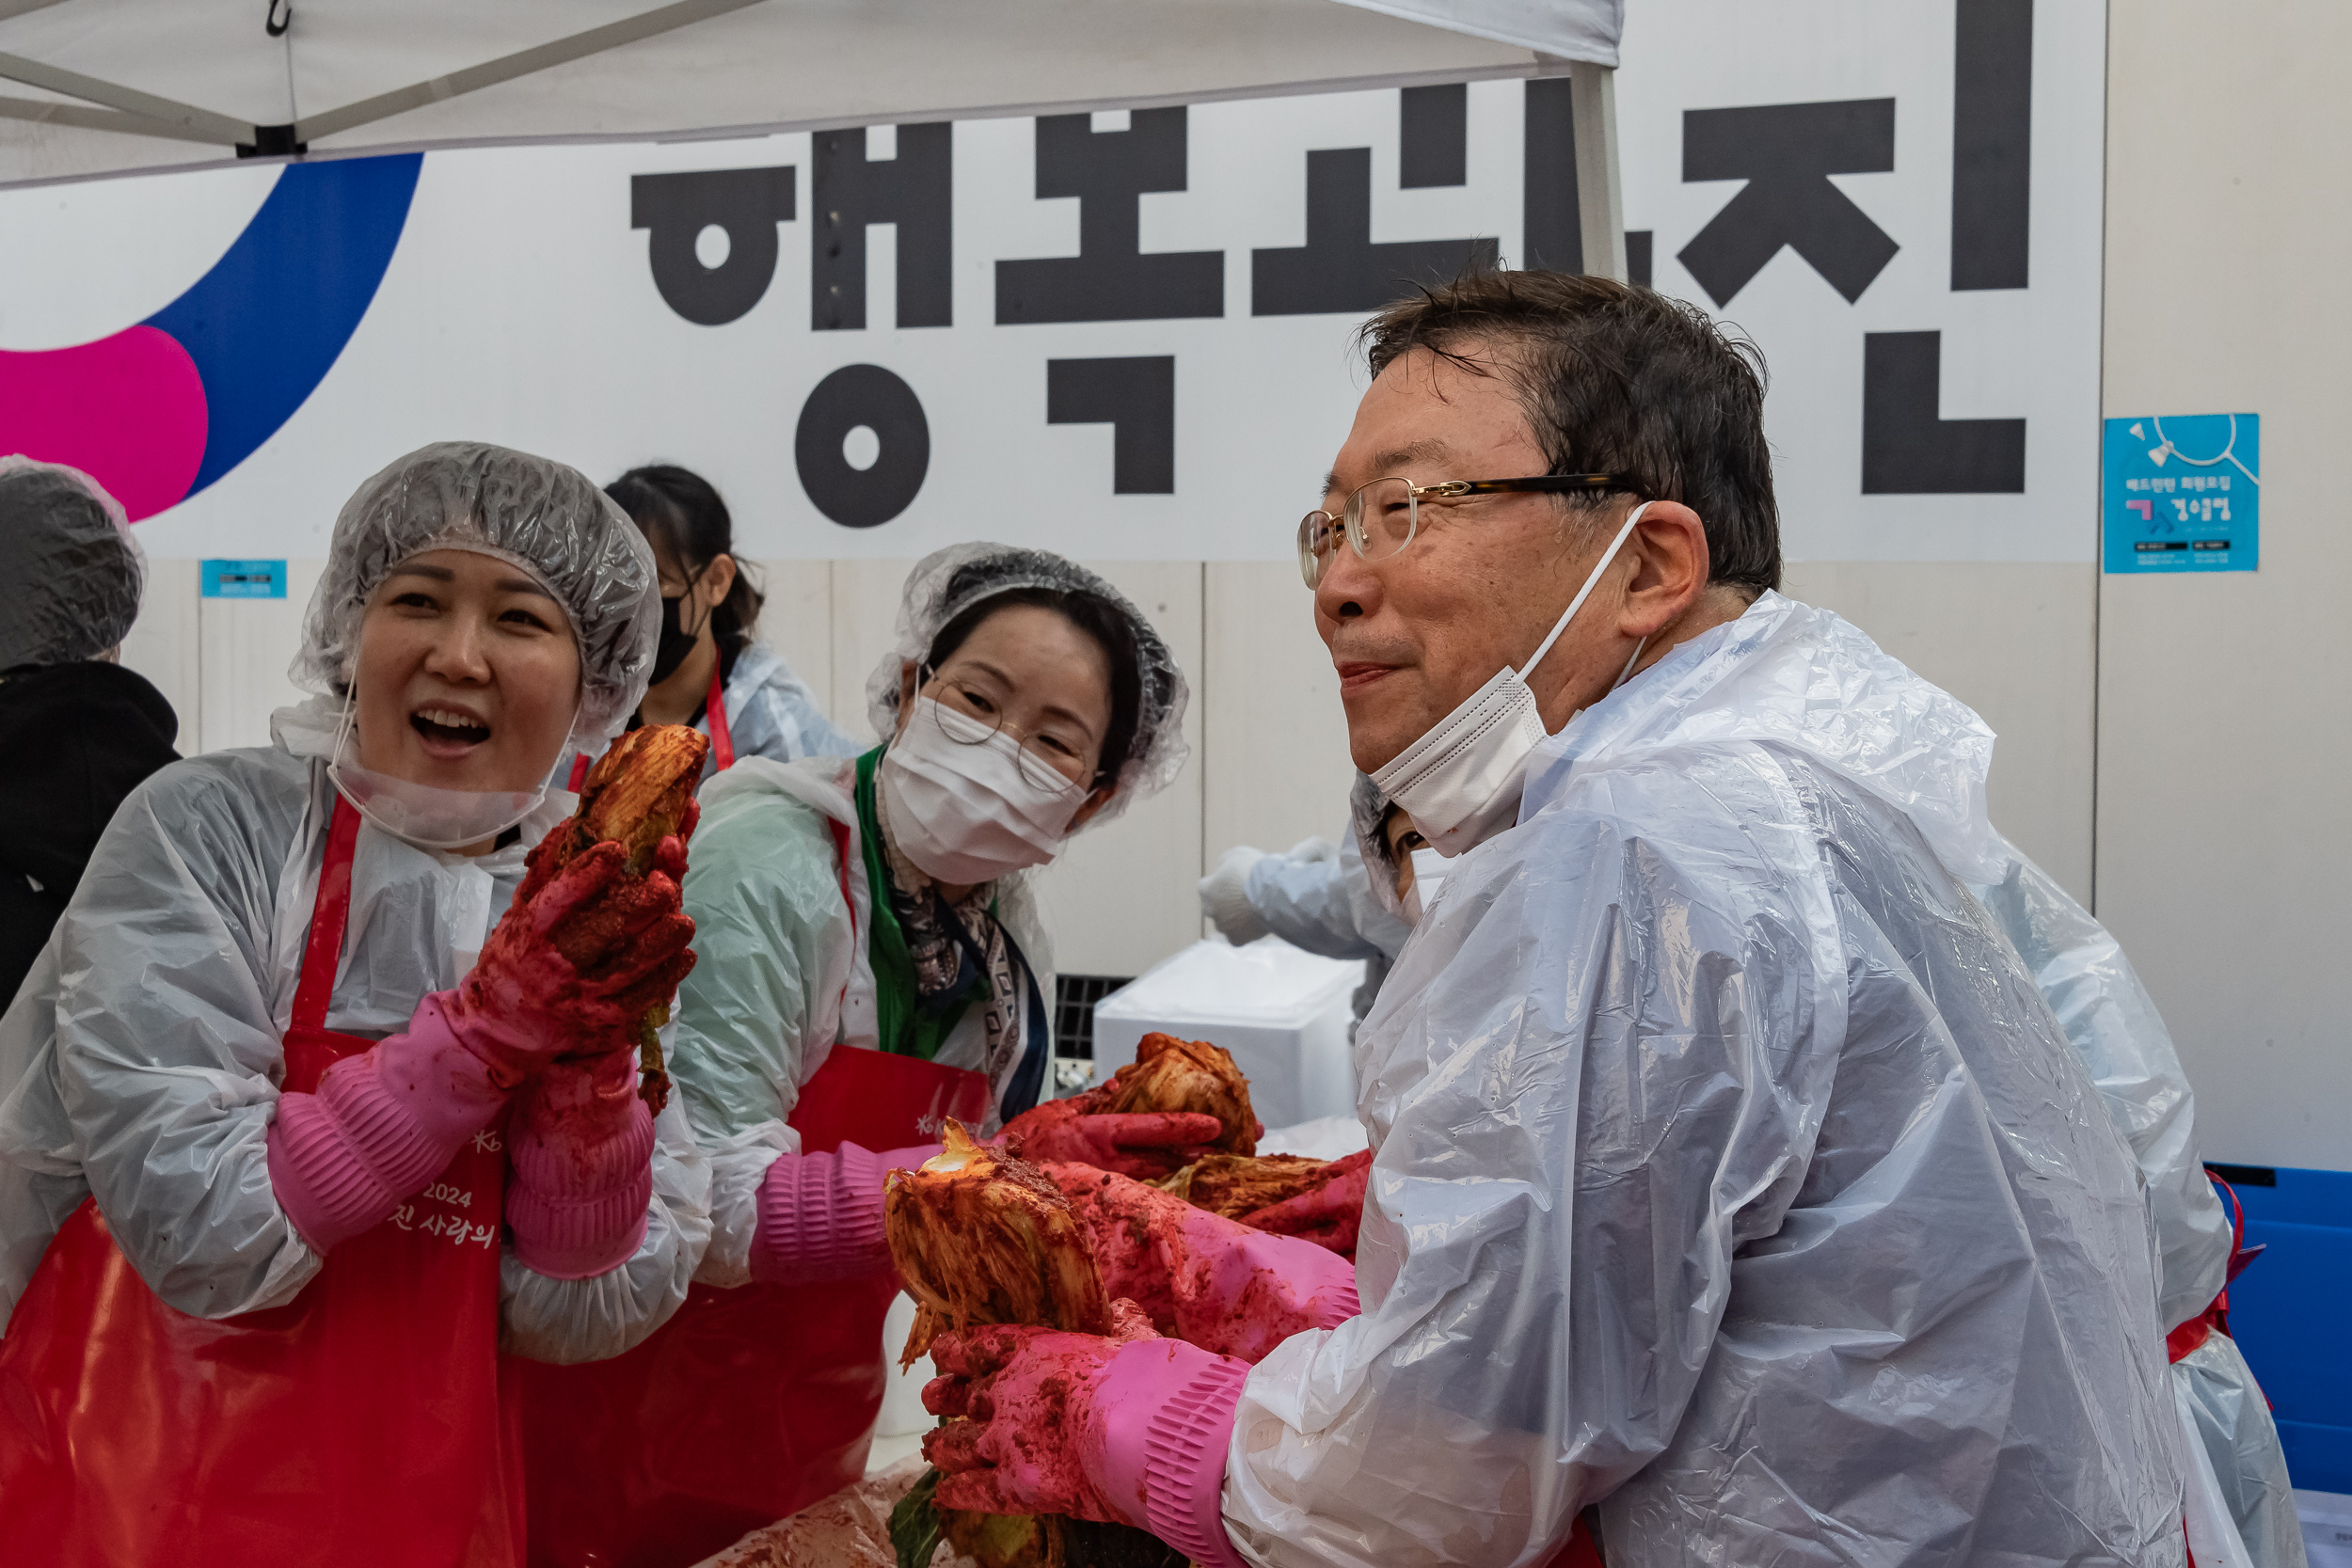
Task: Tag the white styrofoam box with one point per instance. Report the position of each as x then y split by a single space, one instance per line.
2327 1527
1282 1013
1324 1139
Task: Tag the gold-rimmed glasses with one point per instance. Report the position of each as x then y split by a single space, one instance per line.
970 711
1380 519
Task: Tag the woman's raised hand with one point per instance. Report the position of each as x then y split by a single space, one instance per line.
570 971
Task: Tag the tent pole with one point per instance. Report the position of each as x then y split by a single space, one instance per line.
195 123
562 51
1599 191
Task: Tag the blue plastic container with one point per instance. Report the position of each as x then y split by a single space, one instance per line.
2290 1312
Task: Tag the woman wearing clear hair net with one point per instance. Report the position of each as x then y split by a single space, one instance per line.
80 730
872 961
302 1139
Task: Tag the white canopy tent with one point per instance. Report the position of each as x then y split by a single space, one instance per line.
117 87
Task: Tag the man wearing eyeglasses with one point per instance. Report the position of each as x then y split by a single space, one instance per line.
1735 1199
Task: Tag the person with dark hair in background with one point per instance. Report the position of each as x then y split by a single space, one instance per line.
80 731
708 610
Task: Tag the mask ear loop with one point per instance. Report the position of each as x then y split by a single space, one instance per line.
1584 592
343 727
923 676
1627 674
694 584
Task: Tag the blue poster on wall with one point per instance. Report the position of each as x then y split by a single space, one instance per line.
244 580
2183 492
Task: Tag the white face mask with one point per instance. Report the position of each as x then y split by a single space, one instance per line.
420 814
962 805
1460 782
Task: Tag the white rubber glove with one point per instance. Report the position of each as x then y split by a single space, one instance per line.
1225 896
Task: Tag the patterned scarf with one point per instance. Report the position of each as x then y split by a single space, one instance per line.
940 937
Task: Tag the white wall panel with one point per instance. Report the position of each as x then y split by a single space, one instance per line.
2015 641
244 648
164 644
2223 750
1275 766
797 622
865 619
1124 895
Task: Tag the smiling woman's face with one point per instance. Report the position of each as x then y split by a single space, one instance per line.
1030 671
467 675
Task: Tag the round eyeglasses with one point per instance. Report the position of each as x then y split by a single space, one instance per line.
1381 518
969 714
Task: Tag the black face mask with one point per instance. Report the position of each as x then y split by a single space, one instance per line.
676 642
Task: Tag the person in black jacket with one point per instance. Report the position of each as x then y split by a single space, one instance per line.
78 730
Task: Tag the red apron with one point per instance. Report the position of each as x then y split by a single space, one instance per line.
715 715
362 1422
750 1404
2184 1341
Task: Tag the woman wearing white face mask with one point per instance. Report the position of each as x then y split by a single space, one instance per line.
871 962
291 1160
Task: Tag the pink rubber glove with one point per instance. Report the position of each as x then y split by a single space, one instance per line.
526 1002
380 1127
1144 1144
1203 1278
1330 1216
1131 1434
821 1216
580 1157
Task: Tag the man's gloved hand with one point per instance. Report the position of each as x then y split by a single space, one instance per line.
1033 1443
1131 1434
573 970
1211 1281
1144 1144
579 1148
1225 896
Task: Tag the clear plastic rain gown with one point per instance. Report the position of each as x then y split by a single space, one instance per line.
2115 1028
140 1061
1317 896
772 713
1731 1174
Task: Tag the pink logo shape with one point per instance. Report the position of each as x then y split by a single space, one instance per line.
127 410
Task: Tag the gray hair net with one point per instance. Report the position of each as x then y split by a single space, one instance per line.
548 520
74 570
947 582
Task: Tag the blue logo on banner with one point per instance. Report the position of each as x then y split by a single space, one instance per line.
244 580
2183 492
